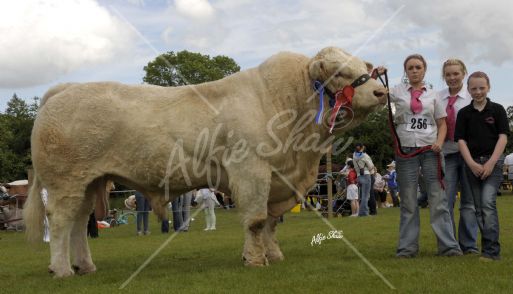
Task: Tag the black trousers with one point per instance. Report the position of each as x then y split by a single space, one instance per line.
92 227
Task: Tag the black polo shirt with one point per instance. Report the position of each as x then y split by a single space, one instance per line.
481 129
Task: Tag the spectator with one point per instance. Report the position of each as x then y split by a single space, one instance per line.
352 188
207 199
379 189
508 163
143 210
181 207
481 131
391 178
364 167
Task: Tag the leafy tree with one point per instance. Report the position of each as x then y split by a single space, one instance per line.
184 68
15 130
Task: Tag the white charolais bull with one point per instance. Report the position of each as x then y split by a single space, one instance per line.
252 134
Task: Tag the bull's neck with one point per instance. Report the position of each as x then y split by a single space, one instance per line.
307 101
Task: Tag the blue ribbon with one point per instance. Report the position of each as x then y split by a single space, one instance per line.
320 89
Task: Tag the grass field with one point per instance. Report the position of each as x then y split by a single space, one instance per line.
210 262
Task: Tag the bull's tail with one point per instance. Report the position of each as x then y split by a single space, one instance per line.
34 212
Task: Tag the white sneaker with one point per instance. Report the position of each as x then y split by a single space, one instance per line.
212 229
353 215
206 229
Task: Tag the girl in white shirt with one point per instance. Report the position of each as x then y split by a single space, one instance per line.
453 98
420 123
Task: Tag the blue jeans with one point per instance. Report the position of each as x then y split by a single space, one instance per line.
484 194
365 187
143 211
440 219
177 213
186 210
454 174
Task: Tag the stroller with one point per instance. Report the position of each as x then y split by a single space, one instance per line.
341 205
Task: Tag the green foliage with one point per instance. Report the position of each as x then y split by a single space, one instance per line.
15 130
184 68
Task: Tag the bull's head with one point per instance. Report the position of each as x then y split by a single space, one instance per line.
337 69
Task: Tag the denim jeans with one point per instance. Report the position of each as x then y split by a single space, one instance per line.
143 211
484 194
440 219
177 213
454 174
365 187
186 210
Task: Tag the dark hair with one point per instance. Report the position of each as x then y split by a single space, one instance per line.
479 74
350 163
415 56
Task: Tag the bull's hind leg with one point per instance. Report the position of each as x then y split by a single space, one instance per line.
62 210
251 191
82 261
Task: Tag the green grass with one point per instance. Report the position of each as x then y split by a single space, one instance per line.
210 262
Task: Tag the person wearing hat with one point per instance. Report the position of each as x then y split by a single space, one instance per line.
391 178
364 168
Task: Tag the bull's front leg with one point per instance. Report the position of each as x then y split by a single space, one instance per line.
251 191
275 210
272 248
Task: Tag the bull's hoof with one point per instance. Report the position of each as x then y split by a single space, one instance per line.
275 256
255 262
85 269
60 273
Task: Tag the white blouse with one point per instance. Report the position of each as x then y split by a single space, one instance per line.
416 130
463 100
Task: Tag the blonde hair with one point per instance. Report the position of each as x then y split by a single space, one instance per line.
454 61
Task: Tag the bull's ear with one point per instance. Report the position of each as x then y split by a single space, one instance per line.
317 70
369 66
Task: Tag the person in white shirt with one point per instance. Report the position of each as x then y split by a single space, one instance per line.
508 161
207 199
454 98
420 123
364 168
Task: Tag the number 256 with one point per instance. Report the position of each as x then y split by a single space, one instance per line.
418 123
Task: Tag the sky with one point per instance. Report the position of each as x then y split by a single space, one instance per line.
47 42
